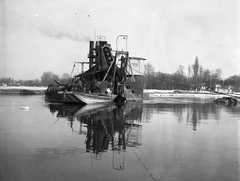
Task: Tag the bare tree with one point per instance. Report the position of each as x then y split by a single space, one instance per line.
150 76
189 71
179 75
65 76
195 67
148 69
48 78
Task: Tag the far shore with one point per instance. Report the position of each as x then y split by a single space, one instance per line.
151 93
147 93
26 90
22 87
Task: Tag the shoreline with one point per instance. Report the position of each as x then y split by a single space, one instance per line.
147 93
22 90
186 94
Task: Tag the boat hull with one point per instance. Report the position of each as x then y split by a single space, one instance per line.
76 97
93 98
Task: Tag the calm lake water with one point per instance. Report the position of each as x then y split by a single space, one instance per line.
154 141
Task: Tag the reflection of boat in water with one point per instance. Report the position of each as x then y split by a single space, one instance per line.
109 78
92 108
64 110
107 127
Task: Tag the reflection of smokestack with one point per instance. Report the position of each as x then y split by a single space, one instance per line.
60 33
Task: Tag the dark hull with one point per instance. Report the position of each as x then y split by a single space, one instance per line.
76 97
56 96
85 98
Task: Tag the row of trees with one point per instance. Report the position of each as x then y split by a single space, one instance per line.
47 78
197 77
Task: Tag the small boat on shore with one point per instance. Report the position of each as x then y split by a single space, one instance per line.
109 78
230 101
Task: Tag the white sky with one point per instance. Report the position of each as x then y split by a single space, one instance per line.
50 35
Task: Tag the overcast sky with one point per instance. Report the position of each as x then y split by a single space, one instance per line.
50 35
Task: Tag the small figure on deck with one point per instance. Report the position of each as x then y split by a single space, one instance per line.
78 85
97 85
108 91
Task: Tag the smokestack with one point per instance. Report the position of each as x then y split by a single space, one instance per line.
91 46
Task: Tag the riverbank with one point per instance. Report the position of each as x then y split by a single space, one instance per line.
205 96
22 90
153 93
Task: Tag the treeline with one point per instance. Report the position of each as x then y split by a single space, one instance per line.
47 78
196 79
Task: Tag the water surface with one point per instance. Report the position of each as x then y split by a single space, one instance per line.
153 141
